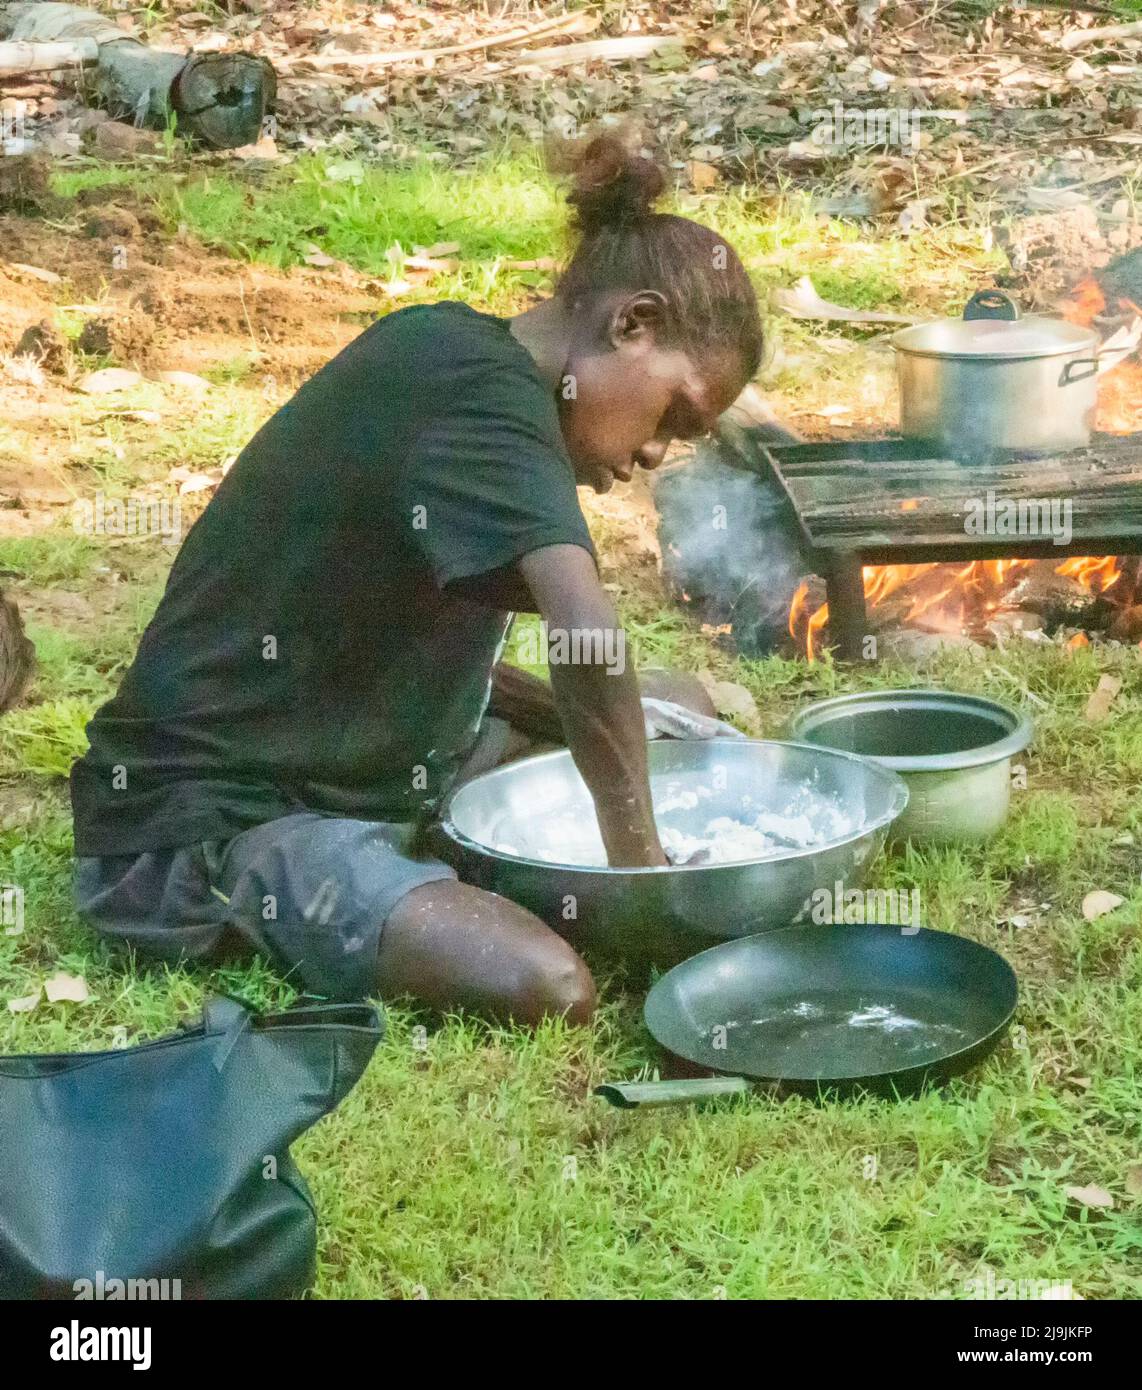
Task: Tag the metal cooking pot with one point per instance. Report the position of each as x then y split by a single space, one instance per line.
954 752
997 380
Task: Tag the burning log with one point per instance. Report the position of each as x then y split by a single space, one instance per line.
220 99
1071 595
17 655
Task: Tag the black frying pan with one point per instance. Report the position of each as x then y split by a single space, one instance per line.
844 1008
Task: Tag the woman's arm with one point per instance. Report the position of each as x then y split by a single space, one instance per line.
598 701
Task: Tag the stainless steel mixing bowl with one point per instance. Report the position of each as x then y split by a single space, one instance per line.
501 825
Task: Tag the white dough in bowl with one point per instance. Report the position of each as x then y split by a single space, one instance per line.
725 839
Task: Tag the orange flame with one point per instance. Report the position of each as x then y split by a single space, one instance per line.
1119 388
945 595
1087 300
813 625
1120 399
1096 573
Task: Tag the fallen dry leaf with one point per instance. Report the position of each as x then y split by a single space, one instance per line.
265 148
1097 1198
732 700
701 175
191 481
49 277
62 987
1098 706
805 149
1099 902
114 138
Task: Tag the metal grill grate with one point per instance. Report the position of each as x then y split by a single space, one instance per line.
885 502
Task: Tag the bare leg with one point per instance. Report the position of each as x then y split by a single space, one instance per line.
453 945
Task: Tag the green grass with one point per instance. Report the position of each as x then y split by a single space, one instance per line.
483 1166
507 208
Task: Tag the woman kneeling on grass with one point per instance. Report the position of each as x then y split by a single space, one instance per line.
317 673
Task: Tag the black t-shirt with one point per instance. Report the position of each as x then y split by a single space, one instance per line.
319 643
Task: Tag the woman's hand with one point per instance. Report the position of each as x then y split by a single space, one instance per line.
664 719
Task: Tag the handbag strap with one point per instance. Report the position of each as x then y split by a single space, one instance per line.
358 1028
226 1018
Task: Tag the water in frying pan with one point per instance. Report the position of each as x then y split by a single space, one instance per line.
836 1036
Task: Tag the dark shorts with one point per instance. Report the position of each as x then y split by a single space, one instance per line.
310 892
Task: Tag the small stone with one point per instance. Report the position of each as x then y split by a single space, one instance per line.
1099 902
109 379
185 381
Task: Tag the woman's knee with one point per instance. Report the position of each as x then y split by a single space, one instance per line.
559 984
451 944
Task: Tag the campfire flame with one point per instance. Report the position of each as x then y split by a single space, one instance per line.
949 597
1092 573
942 597
1086 301
1120 388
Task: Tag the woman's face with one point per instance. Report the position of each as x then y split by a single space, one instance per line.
624 397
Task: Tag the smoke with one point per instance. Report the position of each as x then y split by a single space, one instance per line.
731 546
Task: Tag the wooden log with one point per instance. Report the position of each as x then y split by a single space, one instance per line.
220 99
1079 38
577 23
42 57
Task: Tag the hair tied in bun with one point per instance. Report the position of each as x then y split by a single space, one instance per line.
624 247
613 182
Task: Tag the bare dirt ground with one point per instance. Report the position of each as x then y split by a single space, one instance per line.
192 308
175 306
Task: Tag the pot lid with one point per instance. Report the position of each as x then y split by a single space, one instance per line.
1036 336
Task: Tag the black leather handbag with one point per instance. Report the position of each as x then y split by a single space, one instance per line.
164 1170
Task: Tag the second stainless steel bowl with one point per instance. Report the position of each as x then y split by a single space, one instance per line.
953 750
